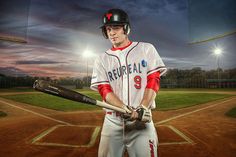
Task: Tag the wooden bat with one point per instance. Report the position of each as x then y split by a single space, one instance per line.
47 87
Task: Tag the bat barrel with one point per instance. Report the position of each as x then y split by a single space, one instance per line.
47 87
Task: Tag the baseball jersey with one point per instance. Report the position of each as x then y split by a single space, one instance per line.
126 71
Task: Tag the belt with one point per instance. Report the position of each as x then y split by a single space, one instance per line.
117 114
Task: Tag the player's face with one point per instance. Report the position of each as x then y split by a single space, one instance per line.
116 35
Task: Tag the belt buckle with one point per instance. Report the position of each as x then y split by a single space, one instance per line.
118 114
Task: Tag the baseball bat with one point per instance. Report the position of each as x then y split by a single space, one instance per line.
49 88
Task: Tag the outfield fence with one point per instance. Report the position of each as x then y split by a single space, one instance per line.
198 83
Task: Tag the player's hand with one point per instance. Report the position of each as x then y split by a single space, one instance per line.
144 114
127 109
130 114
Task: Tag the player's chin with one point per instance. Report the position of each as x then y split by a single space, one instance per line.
114 42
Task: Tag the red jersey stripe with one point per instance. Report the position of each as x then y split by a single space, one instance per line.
104 89
153 81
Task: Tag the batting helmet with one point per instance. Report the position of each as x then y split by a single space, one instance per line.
115 17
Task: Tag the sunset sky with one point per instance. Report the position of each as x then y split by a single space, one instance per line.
58 32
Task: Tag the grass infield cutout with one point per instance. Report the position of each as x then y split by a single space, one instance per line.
2 114
231 112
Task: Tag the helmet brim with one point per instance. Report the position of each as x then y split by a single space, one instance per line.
113 24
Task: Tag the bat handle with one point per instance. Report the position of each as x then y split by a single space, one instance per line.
108 106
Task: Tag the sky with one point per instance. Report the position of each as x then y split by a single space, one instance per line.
58 32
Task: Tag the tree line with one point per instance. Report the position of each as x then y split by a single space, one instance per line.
27 81
198 78
174 78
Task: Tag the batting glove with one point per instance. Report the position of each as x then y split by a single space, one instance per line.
144 114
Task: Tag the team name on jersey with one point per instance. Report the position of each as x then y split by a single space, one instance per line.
116 73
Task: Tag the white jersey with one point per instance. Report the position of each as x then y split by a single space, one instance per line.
126 71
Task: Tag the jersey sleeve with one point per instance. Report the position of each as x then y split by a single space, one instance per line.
99 75
154 61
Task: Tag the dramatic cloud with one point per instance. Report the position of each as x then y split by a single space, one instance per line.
38 62
60 31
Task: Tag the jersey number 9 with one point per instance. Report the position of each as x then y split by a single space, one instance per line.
137 81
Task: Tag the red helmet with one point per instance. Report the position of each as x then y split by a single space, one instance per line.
115 17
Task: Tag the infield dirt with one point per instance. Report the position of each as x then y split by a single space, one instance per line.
198 131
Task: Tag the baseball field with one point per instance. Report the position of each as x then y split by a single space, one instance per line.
189 122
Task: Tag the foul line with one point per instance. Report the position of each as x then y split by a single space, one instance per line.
45 133
194 111
38 114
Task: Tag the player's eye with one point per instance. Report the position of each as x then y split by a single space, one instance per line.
108 29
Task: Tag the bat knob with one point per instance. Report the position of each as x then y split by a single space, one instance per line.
35 83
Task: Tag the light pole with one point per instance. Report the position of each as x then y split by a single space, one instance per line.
87 54
218 52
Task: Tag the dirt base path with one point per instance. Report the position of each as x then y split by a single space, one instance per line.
213 134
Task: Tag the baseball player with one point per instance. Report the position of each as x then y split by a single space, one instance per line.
127 75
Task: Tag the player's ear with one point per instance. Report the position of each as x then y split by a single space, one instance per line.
127 29
104 32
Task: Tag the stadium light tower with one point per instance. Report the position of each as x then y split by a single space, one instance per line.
87 54
218 52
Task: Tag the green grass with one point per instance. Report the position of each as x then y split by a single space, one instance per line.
177 100
231 112
52 102
2 114
26 89
165 100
